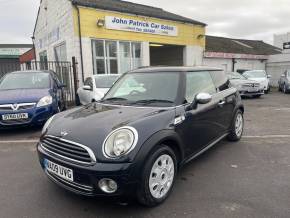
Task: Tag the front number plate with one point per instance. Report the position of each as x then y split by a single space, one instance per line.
59 170
15 116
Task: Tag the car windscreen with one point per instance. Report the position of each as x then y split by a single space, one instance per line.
233 76
255 74
25 81
105 82
154 89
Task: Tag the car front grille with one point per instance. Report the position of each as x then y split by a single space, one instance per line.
16 107
251 85
68 150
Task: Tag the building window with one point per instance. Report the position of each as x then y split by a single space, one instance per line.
43 60
115 57
60 53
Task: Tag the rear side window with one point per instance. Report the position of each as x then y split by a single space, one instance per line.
197 82
220 80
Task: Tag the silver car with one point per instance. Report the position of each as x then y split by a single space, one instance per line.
95 87
284 82
245 86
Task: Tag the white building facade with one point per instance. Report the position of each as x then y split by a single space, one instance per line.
106 39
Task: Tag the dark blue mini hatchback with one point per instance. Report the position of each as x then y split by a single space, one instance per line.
134 141
29 98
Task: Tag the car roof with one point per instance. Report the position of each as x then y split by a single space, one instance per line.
107 75
32 71
174 69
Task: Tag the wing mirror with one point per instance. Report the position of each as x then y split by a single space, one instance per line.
87 88
269 76
201 98
62 86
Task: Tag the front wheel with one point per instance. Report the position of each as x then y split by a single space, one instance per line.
158 177
237 128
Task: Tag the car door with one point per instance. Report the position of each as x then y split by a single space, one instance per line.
201 124
226 97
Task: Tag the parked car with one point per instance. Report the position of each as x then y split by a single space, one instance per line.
95 87
134 142
29 98
260 76
245 86
284 82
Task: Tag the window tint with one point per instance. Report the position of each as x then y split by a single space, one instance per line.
197 82
220 79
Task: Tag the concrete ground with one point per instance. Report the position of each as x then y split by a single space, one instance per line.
250 178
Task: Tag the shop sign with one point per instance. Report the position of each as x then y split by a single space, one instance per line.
233 55
13 51
123 24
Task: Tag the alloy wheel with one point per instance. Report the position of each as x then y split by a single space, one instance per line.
239 125
161 176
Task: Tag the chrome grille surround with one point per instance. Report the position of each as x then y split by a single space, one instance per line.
67 150
17 107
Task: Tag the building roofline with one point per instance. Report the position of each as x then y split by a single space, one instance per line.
123 10
16 45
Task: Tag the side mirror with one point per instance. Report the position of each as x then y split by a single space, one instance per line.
269 76
201 98
283 75
87 88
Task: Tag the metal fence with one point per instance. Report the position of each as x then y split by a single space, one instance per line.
66 72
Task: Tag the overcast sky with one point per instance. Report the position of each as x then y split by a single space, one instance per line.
250 19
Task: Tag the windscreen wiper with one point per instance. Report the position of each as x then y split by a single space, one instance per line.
151 101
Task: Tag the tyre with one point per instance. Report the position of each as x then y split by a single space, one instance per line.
237 128
158 177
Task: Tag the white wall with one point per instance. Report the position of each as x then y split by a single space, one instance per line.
58 14
276 65
192 55
227 64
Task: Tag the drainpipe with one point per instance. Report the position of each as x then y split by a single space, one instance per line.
34 51
80 40
233 65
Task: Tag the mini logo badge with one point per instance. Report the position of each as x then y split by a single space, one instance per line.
64 133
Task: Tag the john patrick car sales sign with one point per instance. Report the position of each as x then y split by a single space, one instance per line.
117 23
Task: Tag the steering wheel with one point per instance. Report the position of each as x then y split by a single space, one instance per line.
135 92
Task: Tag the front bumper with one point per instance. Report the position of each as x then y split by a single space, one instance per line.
36 116
249 94
86 178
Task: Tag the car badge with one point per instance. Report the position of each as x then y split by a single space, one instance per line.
63 133
14 107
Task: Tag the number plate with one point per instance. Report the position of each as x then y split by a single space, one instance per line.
21 116
59 170
253 90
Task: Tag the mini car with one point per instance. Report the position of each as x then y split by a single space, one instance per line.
284 82
29 98
135 140
259 76
95 87
245 86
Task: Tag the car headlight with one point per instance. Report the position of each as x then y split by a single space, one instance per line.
46 125
47 100
120 142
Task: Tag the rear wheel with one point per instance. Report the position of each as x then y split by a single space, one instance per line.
237 128
158 177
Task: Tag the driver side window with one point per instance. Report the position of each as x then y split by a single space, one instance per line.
197 82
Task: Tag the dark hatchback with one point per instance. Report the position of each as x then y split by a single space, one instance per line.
29 98
134 141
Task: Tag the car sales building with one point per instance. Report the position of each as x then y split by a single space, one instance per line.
113 36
